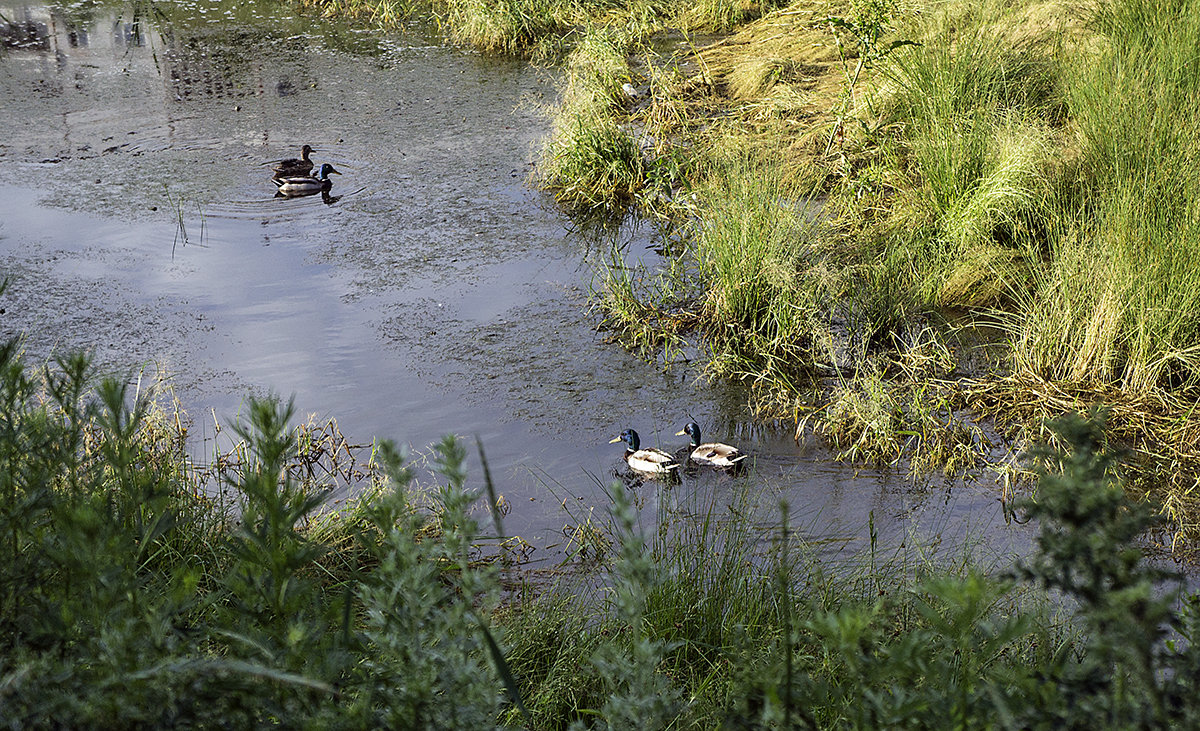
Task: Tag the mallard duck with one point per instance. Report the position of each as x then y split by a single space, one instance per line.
649 461
306 184
712 454
295 166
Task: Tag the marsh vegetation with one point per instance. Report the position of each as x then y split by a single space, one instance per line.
839 184
856 189
140 588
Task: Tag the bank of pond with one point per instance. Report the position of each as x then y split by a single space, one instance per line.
139 590
834 173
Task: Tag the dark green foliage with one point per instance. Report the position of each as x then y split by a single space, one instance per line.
130 600
1087 550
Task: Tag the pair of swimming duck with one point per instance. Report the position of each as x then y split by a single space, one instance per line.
294 177
654 461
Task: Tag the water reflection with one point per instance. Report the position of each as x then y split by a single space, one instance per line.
326 198
24 34
128 34
442 295
44 30
192 59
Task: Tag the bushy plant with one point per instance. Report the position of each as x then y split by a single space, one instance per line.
1088 550
132 599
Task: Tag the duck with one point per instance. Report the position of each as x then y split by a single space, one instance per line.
648 461
295 166
710 454
298 185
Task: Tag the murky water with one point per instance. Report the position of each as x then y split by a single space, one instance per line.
432 291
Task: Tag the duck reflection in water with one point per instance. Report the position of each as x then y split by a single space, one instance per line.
326 198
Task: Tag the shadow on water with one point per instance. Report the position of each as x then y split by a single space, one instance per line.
430 291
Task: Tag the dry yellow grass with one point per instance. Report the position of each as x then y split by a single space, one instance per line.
789 54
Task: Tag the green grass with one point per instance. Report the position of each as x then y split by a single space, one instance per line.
592 160
131 598
968 160
1117 302
973 154
509 27
758 259
1024 188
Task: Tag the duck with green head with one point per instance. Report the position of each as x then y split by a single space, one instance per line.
299 185
649 461
710 454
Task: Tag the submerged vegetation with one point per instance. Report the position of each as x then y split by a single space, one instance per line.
138 589
857 193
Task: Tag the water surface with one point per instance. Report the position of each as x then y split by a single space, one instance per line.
434 291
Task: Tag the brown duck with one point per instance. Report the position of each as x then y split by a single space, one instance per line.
295 166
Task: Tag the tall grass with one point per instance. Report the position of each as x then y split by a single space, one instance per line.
977 150
1082 227
512 27
753 250
1118 301
591 159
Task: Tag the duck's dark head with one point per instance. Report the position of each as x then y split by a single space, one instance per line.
326 171
692 430
630 437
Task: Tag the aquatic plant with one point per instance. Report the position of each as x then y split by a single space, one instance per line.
177 205
591 160
646 310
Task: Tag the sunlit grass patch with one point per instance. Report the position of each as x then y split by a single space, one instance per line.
753 253
718 16
592 158
592 162
534 27
1117 302
786 51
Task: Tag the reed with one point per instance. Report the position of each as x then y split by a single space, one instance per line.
592 160
753 250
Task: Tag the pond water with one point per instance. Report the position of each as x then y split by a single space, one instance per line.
433 291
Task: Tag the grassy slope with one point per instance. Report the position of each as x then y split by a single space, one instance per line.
980 158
